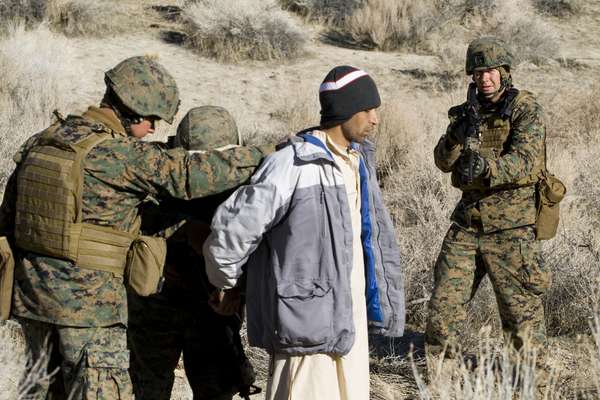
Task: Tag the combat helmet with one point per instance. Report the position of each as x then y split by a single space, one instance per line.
206 128
486 53
145 87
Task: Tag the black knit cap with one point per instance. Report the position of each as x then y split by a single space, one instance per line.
344 92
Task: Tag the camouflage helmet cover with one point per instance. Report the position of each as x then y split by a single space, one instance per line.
486 53
207 128
145 87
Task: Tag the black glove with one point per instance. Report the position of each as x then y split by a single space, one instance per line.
472 166
456 132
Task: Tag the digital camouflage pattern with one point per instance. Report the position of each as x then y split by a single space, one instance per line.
487 52
512 260
93 361
120 173
145 87
179 320
493 231
514 150
205 128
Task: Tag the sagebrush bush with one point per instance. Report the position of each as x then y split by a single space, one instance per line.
559 8
324 11
232 30
97 19
392 24
75 17
25 12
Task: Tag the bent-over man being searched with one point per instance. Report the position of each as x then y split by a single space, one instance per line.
179 320
322 261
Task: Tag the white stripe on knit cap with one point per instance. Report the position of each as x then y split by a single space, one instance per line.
346 79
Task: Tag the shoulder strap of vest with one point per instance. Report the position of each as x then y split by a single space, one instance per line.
509 101
82 149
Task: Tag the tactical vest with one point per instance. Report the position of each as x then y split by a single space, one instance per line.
49 207
495 141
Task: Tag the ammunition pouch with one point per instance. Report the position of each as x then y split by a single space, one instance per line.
145 264
550 191
7 268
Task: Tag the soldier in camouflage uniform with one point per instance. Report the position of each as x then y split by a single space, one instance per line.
80 223
179 319
493 230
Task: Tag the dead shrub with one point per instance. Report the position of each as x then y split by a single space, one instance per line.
559 8
39 73
74 17
24 12
324 11
235 30
95 19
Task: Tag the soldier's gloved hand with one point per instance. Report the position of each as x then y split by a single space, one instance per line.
472 166
225 302
457 132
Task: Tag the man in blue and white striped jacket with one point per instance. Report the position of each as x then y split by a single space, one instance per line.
319 248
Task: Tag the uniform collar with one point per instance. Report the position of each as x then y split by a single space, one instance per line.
112 123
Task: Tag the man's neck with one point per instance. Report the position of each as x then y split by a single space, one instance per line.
337 136
496 97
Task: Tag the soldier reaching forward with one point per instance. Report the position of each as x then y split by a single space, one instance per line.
495 149
70 211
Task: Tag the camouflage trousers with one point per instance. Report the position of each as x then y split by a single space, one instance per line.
91 363
512 260
160 331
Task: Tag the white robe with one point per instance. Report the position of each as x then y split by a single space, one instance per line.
321 376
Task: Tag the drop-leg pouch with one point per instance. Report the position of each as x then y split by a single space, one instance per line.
7 271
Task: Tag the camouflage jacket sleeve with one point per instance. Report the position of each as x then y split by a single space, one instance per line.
175 172
526 146
444 154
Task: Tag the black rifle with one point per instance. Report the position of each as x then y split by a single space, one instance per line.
473 134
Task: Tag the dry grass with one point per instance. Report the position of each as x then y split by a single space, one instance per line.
323 11
491 373
232 30
559 8
33 83
425 26
75 17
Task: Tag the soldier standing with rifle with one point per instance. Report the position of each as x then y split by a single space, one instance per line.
495 149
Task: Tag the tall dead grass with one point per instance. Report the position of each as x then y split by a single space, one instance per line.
34 81
75 17
234 30
491 373
426 26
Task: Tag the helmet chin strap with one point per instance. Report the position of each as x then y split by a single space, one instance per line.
127 119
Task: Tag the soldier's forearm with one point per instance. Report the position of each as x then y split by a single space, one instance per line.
219 171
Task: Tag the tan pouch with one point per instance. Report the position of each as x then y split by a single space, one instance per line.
145 264
7 271
550 192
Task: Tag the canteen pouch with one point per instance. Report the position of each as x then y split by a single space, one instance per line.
7 270
145 264
550 192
